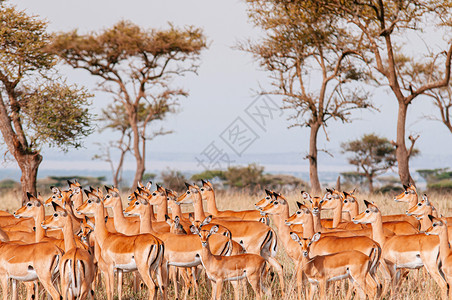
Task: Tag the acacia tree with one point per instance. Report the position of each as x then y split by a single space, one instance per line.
115 117
136 66
372 156
311 66
384 26
36 107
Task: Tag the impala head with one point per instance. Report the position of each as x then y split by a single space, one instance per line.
277 206
369 215
300 216
58 196
192 194
171 197
305 243
157 196
349 202
175 225
316 202
408 195
206 189
89 207
422 209
112 197
146 188
56 221
205 234
86 227
332 199
269 197
73 184
30 209
438 225
136 208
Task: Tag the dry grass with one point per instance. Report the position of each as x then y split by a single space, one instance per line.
417 285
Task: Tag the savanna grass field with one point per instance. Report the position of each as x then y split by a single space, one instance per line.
416 284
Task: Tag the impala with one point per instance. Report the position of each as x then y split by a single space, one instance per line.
142 252
403 251
439 227
76 265
256 237
322 269
230 268
29 262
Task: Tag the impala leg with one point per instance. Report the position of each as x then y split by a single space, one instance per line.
255 282
279 269
13 288
30 286
322 289
143 268
218 288
4 282
236 287
299 274
162 278
110 282
45 278
120 277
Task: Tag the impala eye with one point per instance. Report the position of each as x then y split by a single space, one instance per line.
419 204
201 189
345 201
367 211
137 203
89 201
55 215
29 204
434 224
188 192
154 194
298 212
108 196
267 198
167 198
406 192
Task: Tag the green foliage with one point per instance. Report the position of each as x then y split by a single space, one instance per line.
437 179
174 180
372 155
58 115
149 177
209 175
241 177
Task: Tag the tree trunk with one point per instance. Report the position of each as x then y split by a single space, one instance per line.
139 156
370 180
313 172
29 164
401 150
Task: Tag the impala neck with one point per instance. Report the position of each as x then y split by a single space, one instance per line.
211 202
377 230
118 214
316 222
346 216
78 200
68 235
146 220
355 210
206 255
414 200
162 210
425 221
176 211
40 232
100 229
291 247
199 210
444 246
308 228
337 214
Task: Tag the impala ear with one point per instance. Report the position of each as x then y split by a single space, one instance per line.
329 190
187 185
300 205
55 206
193 229
207 220
191 218
346 194
214 229
294 237
29 196
203 182
367 203
315 237
148 185
431 218
306 195
425 198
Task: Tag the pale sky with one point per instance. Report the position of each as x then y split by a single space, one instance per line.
225 85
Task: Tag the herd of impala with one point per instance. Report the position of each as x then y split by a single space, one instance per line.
66 251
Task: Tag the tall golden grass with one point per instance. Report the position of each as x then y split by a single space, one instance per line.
416 285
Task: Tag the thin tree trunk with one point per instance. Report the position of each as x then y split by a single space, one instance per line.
370 180
136 148
401 150
313 172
